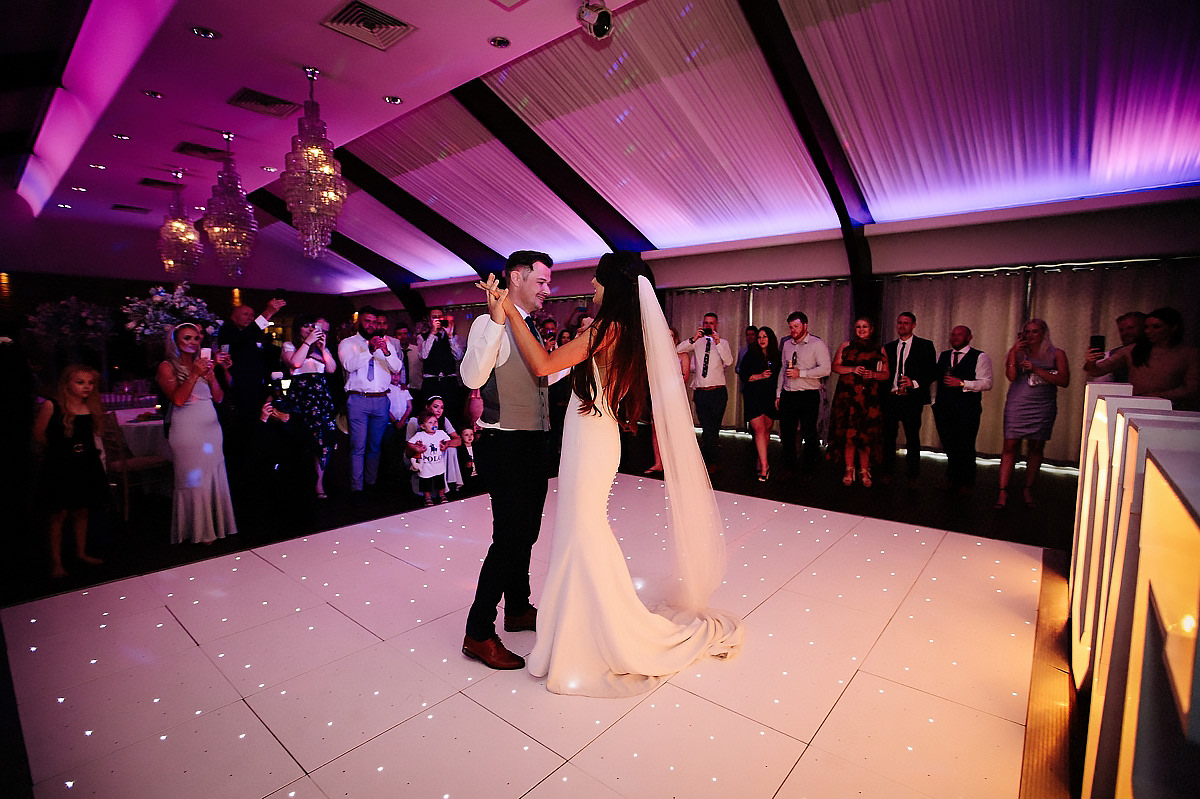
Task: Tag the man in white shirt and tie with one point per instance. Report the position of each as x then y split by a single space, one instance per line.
806 364
369 358
711 356
963 374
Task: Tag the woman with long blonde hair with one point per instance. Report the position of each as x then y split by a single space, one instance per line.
1036 370
73 479
201 509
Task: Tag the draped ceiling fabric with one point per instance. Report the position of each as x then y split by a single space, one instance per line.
445 158
676 121
946 106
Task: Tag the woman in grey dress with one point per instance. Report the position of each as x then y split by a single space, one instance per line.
1036 370
201 509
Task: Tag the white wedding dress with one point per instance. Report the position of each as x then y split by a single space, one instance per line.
595 637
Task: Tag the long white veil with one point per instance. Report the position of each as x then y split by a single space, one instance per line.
696 526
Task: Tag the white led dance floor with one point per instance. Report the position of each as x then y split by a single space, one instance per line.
880 661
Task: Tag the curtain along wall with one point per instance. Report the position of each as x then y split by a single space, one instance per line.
1076 301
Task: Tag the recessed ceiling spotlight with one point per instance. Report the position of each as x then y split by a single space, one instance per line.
499 41
392 99
97 166
78 188
270 169
63 205
153 95
206 33
120 136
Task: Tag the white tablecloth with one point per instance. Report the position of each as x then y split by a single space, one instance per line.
143 438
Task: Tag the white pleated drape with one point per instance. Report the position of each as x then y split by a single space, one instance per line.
676 121
947 106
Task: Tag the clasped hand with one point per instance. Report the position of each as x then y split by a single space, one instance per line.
497 298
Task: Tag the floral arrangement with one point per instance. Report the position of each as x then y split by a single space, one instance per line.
73 323
149 317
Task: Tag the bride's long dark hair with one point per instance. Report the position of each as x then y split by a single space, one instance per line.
618 320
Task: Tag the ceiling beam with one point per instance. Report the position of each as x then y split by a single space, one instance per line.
398 279
778 46
476 254
549 167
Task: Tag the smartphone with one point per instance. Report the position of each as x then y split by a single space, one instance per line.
206 352
1096 343
225 348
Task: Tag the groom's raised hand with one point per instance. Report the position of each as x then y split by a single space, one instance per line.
495 297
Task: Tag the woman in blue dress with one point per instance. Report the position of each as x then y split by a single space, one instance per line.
1036 370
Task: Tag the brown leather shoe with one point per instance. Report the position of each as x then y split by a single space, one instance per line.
491 653
522 621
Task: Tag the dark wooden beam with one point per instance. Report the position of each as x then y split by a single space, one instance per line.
549 167
398 279
778 46
479 256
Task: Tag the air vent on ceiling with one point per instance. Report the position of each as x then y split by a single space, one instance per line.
200 151
263 103
370 25
155 183
133 209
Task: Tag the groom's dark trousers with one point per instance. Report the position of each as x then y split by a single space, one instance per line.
513 465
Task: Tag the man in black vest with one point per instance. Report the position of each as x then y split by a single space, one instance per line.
912 359
440 352
511 454
963 374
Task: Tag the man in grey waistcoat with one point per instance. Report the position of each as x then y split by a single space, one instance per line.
511 454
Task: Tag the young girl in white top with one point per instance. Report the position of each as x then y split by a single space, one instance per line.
430 462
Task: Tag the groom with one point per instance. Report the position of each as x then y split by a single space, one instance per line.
511 454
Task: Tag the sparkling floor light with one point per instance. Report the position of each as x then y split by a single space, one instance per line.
229 219
312 181
178 241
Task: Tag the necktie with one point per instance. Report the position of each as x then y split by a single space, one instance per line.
371 368
404 365
707 351
533 328
955 364
900 363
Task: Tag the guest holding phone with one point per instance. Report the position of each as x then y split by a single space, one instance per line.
1036 370
310 360
1158 364
201 509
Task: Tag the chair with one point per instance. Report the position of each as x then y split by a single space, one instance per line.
125 469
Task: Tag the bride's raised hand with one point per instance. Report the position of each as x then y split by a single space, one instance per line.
495 297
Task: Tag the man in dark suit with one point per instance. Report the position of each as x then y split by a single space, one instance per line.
913 361
512 455
963 374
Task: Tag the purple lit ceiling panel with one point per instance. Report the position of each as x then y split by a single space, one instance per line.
676 121
370 223
445 158
947 106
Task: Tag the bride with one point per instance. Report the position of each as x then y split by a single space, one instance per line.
595 635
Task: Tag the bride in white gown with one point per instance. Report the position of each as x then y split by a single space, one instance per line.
595 636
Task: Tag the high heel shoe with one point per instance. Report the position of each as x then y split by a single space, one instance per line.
848 480
866 478
765 475
1001 499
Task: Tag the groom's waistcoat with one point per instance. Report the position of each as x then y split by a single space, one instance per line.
513 397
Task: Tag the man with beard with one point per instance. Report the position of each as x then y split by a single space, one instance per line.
369 358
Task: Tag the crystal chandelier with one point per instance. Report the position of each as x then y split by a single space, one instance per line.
178 240
228 218
312 181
